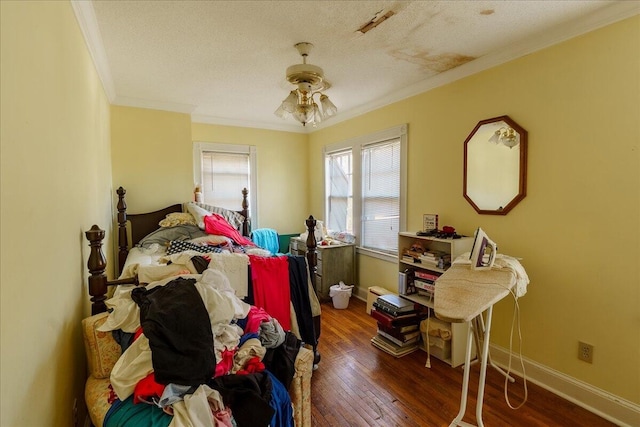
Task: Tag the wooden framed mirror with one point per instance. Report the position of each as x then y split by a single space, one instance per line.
495 166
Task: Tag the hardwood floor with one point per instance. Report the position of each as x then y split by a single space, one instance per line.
359 385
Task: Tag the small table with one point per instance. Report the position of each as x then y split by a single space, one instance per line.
462 295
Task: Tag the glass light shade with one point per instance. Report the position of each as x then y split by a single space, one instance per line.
317 115
303 113
511 140
281 112
328 107
495 138
290 102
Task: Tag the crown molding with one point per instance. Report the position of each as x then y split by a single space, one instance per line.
285 126
616 12
151 104
86 17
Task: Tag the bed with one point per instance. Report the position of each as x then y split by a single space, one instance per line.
219 351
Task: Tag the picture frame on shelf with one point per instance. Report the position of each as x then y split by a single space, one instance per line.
429 222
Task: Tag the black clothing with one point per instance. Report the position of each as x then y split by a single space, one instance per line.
176 322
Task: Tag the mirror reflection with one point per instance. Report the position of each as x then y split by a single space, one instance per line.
495 163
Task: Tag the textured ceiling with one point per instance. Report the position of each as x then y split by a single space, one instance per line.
224 61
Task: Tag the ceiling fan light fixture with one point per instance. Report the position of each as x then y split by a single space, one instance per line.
309 81
328 107
506 136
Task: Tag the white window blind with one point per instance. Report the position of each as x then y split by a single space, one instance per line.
222 171
224 175
381 195
365 189
339 191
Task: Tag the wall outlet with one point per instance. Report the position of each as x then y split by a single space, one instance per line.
585 352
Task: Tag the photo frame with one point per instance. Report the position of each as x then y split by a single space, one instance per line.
429 222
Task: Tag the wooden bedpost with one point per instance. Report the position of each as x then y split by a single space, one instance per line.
312 257
245 213
97 264
312 260
123 244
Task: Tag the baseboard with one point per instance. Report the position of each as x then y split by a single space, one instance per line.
360 293
610 407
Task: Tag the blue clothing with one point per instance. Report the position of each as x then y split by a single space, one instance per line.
266 238
281 402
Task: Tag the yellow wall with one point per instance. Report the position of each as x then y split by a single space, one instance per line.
55 183
152 157
153 160
283 195
578 227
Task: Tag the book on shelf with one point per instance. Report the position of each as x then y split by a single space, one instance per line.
408 258
389 320
392 312
399 342
389 347
426 285
430 261
426 276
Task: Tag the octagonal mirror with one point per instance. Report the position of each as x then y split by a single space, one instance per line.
495 166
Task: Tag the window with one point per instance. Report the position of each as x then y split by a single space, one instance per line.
222 171
365 189
339 191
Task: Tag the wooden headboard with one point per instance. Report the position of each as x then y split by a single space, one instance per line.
144 223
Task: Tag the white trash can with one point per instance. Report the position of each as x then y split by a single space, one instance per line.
340 295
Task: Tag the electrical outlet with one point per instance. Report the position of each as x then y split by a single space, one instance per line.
585 352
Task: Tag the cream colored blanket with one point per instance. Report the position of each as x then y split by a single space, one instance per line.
461 293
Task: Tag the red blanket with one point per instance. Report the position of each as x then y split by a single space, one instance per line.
271 291
216 224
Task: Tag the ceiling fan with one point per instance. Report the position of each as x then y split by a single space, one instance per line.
309 81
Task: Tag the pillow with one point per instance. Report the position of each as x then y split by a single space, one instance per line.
198 213
163 236
177 218
234 218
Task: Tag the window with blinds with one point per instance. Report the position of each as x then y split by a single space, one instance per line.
365 189
339 191
381 195
224 175
222 171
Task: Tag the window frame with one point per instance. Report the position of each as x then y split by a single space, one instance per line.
250 150
355 145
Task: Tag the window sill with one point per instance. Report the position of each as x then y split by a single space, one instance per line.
378 255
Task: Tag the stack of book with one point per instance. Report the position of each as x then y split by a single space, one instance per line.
398 325
425 282
434 258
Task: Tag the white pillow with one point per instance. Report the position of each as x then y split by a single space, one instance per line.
177 218
198 213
